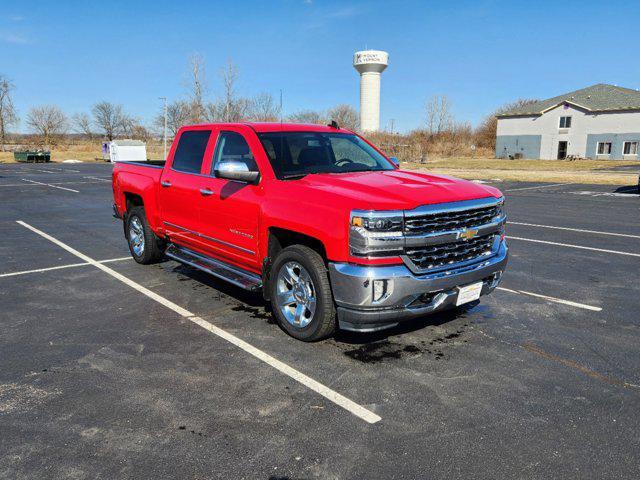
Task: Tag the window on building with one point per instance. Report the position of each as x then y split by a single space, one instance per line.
604 148
565 122
630 148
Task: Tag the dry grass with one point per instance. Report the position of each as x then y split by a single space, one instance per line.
555 171
86 152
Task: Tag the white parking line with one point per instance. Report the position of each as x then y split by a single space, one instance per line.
49 185
552 299
606 194
37 184
575 230
603 250
61 267
98 178
536 187
340 400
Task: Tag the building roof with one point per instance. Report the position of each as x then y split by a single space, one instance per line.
597 98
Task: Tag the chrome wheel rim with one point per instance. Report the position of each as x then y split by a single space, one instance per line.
136 236
296 294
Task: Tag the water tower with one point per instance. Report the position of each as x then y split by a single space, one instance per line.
370 64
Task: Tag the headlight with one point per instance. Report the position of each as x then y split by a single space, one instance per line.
376 234
500 209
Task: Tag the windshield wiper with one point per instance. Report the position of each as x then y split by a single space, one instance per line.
294 176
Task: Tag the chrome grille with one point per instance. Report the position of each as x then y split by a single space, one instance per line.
447 221
435 256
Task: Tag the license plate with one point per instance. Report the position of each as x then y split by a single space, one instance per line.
469 293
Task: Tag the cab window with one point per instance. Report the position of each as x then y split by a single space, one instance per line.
190 151
232 147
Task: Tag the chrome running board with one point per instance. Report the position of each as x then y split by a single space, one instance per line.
234 275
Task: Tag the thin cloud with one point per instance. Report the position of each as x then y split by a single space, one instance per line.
345 12
15 38
16 18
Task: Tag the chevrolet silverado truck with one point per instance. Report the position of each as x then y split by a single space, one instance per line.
319 220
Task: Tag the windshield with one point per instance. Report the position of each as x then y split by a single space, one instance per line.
294 154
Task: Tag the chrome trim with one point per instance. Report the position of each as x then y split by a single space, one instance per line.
352 287
454 206
243 279
197 234
453 235
165 183
376 213
415 269
206 192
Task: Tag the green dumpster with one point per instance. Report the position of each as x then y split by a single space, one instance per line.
32 156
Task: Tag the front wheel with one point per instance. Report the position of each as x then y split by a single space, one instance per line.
301 294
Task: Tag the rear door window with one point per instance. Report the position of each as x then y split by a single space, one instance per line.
190 151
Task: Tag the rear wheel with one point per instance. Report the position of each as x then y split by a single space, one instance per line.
301 294
144 246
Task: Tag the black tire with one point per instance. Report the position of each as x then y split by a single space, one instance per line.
153 247
323 322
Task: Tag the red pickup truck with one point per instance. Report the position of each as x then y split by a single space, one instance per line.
319 220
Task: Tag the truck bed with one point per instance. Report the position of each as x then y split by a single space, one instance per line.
148 163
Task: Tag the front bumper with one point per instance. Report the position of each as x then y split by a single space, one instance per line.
405 295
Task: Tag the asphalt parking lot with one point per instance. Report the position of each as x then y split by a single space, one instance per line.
110 369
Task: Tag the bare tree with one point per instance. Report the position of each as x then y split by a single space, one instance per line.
197 89
47 121
137 131
308 116
81 123
439 116
486 132
8 115
230 107
178 114
264 108
109 118
346 116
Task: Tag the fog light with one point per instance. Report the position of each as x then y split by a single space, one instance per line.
381 289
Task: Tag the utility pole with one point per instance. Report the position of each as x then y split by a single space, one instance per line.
164 135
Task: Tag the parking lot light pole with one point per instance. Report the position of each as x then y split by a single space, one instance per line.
164 135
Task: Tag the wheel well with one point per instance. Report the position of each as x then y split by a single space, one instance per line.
279 239
133 200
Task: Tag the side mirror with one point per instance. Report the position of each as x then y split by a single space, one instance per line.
237 171
395 161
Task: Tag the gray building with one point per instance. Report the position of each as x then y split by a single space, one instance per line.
598 122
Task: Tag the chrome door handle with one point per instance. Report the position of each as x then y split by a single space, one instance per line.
205 192
165 183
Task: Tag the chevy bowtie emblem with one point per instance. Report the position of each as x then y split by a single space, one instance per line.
468 234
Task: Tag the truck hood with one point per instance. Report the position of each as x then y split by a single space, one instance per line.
396 189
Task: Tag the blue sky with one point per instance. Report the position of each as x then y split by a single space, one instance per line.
479 53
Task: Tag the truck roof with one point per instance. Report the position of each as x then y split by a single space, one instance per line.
262 127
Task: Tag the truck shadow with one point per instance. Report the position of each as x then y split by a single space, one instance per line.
220 288
432 320
631 190
255 307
